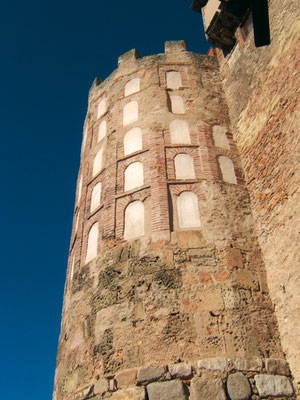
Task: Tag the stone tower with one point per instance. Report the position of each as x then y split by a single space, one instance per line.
261 86
166 295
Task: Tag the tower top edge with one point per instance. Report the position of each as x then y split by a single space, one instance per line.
175 51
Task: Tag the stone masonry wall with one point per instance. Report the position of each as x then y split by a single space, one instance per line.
262 89
175 313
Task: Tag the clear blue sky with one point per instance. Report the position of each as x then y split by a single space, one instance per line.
51 52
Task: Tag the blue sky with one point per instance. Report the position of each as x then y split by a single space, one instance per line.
51 53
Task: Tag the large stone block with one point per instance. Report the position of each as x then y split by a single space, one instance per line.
210 300
190 239
277 366
126 378
205 388
273 385
150 374
166 390
101 386
183 371
238 387
214 363
134 393
254 364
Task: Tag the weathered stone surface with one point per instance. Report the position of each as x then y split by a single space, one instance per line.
150 374
214 363
155 305
264 109
166 390
207 389
254 364
277 366
101 386
180 370
273 385
190 239
88 392
112 385
134 393
126 378
238 387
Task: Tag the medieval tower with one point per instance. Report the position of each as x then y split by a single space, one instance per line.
169 292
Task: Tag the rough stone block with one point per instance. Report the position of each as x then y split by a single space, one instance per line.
166 390
126 378
215 363
101 386
88 392
277 366
129 56
255 364
244 279
112 385
190 239
134 393
175 46
273 385
234 258
210 300
238 387
183 371
205 388
150 374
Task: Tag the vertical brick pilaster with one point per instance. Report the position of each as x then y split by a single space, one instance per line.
159 191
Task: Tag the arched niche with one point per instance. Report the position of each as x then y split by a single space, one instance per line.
173 79
179 132
79 190
102 130
132 86
220 137
133 141
98 160
177 105
184 166
92 245
134 224
102 107
130 113
188 211
96 196
134 176
227 169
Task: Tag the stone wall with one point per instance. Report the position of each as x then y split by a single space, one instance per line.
208 378
181 309
262 91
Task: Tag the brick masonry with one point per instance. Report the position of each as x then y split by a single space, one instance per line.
171 295
262 92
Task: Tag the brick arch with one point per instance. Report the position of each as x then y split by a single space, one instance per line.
122 203
193 152
123 164
134 176
178 189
